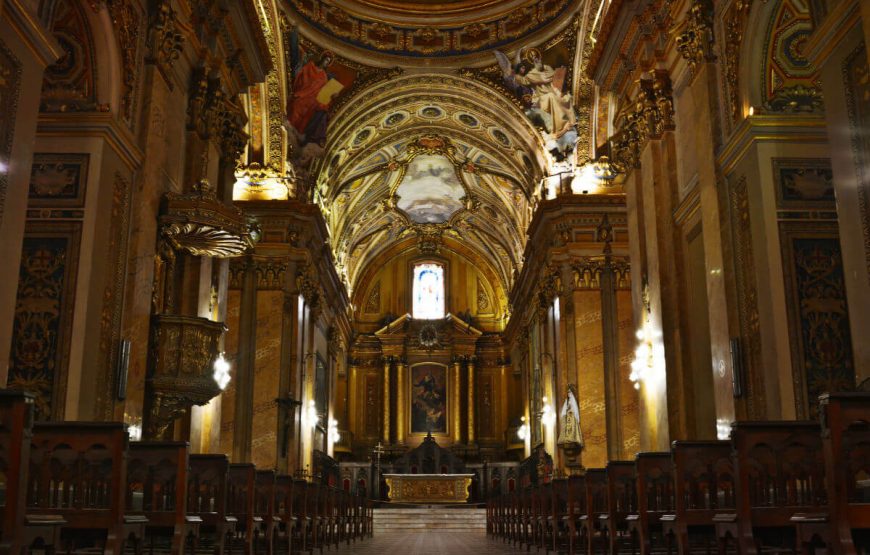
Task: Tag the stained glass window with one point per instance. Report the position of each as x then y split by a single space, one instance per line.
428 291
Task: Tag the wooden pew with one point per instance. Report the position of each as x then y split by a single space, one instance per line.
78 472
846 442
596 511
266 517
779 474
576 508
284 513
157 490
621 502
240 504
703 489
558 521
207 501
300 510
655 498
16 422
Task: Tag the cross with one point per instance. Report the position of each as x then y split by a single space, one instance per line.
378 450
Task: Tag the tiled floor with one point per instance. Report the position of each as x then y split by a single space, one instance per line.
428 543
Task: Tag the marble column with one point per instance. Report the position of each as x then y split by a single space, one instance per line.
385 437
471 378
400 402
454 398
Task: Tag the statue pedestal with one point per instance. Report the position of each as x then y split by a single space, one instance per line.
573 460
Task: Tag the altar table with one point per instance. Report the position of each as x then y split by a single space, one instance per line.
428 488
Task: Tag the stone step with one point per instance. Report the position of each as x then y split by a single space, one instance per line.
436 518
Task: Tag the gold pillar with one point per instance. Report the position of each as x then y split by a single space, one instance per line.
454 398
353 422
470 401
386 430
400 402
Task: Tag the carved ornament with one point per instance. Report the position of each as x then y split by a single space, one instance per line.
695 42
198 223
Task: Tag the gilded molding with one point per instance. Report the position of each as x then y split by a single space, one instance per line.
164 41
10 84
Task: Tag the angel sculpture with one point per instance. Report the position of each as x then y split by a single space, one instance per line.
540 88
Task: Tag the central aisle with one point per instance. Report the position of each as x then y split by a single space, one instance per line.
435 542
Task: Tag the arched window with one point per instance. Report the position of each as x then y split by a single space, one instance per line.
428 291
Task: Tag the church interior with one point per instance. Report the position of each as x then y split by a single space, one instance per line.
583 276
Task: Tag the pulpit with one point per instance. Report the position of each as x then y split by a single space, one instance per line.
428 488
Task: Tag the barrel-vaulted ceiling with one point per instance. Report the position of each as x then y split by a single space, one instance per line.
460 149
414 134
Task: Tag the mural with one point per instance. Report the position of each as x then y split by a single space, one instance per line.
540 81
318 78
428 399
430 191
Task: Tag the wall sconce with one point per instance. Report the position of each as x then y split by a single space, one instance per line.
723 428
649 359
221 372
332 434
310 417
135 432
548 415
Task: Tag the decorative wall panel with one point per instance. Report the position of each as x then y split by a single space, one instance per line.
803 183
485 406
818 315
58 180
10 83
39 357
372 412
70 83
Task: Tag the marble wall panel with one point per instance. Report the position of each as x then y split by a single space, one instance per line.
628 395
231 350
590 376
267 375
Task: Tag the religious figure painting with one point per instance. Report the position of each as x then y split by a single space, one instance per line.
430 191
539 80
428 399
318 78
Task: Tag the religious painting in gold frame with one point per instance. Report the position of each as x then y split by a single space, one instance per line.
429 389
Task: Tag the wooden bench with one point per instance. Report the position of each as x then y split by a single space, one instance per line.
779 475
286 523
266 517
703 489
78 473
655 498
621 502
240 505
846 442
157 475
207 501
576 508
596 511
16 423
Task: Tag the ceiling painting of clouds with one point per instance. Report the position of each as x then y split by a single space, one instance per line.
430 191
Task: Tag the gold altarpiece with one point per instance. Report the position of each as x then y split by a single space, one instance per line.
391 368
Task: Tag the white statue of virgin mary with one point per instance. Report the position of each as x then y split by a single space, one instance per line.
569 420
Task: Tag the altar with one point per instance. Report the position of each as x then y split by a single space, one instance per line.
428 488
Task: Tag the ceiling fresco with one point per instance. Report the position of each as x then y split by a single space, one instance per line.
431 126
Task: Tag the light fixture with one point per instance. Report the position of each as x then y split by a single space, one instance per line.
723 428
309 415
221 372
333 435
523 430
135 432
649 358
548 415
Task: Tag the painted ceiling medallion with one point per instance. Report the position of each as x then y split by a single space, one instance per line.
430 192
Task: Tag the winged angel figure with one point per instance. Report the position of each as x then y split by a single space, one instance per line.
540 88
